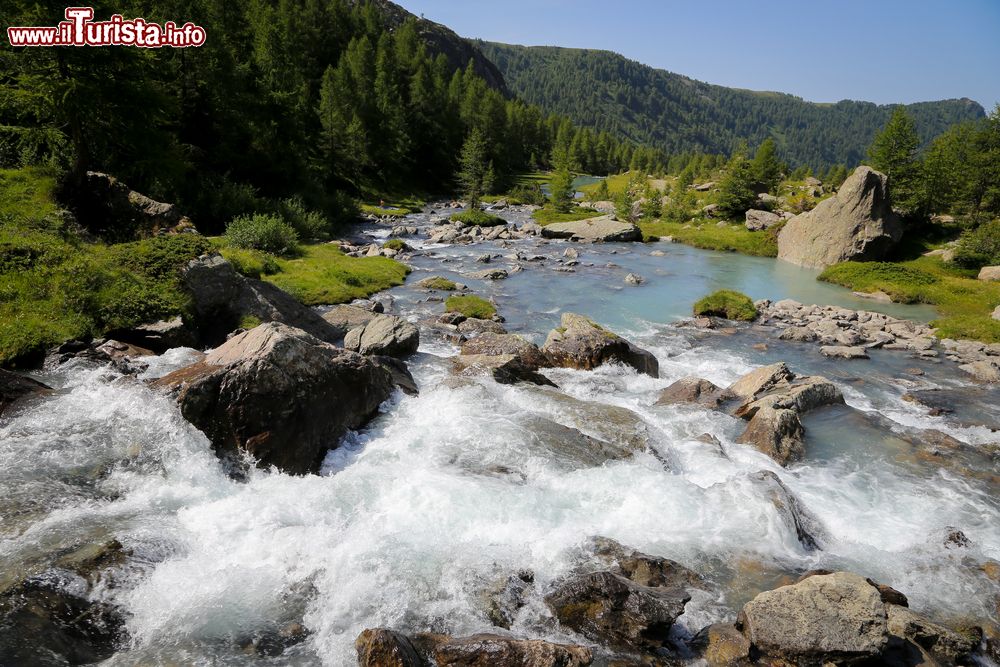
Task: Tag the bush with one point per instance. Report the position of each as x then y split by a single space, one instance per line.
728 304
475 216
979 247
261 231
527 194
800 202
470 306
308 224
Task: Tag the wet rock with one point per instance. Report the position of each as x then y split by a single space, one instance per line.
644 569
603 228
380 647
722 645
453 319
581 343
487 650
64 626
612 609
15 387
346 317
760 380
570 449
497 344
400 374
800 394
439 283
509 597
279 394
504 368
634 279
477 327
385 335
836 617
986 370
610 423
844 352
942 643
807 528
222 298
856 224
692 390
158 336
777 433
489 274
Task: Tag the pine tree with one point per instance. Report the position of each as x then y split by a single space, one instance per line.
601 193
736 193
894 153
765 167
475 171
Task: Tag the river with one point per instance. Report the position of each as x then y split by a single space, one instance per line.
449 491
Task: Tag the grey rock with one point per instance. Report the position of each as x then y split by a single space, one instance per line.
15 387
856 224
692 390
581 343
386 335
757 220
603 228
844 352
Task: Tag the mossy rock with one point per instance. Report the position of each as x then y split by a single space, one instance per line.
728 304
479 218
471 306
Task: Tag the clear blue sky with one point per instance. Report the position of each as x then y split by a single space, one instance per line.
877 50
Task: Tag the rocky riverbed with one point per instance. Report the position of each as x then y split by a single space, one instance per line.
589 476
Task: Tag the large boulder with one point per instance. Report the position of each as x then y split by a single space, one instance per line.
380 647
221 298
856 224
758 220
582 343
497 344
386 335
989 273
603 228
113 211
279 394
837 618
499 651
346 317
613 609
692 390
503 368
14 387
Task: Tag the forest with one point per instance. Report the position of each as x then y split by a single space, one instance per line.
608 92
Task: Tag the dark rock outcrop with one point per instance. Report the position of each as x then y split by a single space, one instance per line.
280 394
582 343
221 298
110 209
14 387
504 368
856 224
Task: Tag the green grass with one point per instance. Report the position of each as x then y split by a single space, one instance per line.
471 306
964 303
533 177
548 215
55 286
731 238
439 283
323 274
394 244
395 205
616 183
478 217
726 303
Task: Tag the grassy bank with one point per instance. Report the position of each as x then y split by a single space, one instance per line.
709 236
56 286
965 304
321 274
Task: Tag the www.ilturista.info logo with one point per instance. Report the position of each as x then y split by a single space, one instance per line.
79 29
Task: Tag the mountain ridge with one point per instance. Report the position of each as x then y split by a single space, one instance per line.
605 90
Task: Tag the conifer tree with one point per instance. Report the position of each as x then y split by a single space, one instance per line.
894 153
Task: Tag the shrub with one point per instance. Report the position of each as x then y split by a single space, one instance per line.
800 202
979 247
527 194
475 216
261 231
308 224
726 303
470 306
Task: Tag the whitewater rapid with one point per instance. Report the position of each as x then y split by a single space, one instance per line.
451 491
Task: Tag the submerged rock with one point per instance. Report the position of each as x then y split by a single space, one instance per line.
603 228
504 368
279 394
498 344
380 647
856 224
582 343
844 352
807 528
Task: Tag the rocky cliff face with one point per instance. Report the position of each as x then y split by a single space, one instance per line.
441 39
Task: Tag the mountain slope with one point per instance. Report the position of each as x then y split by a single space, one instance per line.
607 91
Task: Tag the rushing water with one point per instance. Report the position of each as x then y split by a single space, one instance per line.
450 491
